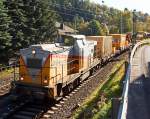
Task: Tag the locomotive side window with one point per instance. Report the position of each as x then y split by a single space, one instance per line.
34 63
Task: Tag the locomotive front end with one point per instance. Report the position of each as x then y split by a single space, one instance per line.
34 71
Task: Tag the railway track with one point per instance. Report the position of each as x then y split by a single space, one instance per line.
6 77
25 108
5 89
5 85
31 109
70 103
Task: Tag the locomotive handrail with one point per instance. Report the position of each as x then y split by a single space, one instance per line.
124 104
54 78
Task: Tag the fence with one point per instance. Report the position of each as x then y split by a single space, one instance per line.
124 105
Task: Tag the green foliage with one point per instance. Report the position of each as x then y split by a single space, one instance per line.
32 22
117 21
39 25
111 89
94 28
98 104
26 22
5 37
103 114
126 21
16 25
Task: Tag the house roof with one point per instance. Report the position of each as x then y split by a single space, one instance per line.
63 29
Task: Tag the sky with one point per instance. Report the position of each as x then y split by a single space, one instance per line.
139 5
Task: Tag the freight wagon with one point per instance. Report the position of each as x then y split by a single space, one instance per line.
103 47
119 42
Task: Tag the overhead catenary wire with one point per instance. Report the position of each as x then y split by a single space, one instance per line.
67 14
74 14
77 10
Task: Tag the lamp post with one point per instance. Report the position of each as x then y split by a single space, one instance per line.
121 25
134 27
103 11
104 23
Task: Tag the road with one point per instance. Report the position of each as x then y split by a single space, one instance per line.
139 88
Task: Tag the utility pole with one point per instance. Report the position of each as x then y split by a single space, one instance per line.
134 28
121 25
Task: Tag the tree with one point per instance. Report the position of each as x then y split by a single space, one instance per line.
14 11
114 29
33 22
105 30
139 26
127 21
40 21
84 28
4 32
94 28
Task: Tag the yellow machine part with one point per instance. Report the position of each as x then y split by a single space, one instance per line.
42 77
23 72
114 50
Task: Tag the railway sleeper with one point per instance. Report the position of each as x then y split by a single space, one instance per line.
21 117
25 112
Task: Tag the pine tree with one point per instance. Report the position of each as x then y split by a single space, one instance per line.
4 28
40 21
33 22
15 13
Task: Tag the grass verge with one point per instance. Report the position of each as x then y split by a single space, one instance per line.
6 73
98 104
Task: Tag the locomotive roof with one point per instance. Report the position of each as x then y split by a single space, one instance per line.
55 48
116 34
52 48
77 36
98 36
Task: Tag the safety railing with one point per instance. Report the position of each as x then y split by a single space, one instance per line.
123 107
124 103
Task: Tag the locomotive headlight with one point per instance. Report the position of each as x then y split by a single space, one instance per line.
33 52
45 81
21 78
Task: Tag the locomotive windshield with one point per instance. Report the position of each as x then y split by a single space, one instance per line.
34 63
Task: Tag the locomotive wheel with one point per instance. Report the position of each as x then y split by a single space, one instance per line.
67 89
64 90
76 83
70 87
59 89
